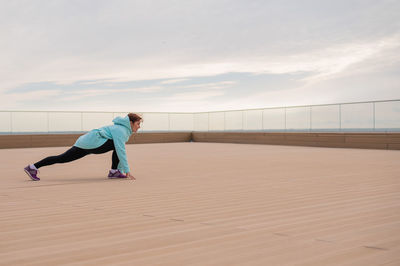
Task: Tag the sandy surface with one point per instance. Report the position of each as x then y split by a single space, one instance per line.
204 204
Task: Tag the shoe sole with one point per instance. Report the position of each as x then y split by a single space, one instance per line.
31 176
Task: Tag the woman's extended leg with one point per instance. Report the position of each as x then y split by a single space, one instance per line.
74 153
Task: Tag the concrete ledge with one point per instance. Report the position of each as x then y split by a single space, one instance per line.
42 140
389 141
142 138
61 140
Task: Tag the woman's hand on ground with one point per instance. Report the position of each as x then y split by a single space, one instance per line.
130 176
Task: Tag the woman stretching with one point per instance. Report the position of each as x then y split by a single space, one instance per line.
97 141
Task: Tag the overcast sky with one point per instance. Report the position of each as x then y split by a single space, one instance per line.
190 56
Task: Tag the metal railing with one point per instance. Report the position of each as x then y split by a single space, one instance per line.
374 116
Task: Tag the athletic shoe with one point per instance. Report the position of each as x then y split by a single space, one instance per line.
116 174
32 173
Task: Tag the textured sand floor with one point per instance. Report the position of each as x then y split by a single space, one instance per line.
204 204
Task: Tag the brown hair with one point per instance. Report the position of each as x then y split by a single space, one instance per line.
134 117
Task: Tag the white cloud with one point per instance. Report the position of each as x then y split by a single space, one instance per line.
212 85
172 81
92 93
143 89
339 59
324 62
12 100
100 81
195 96
65 42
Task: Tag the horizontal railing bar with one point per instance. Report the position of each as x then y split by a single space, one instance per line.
234 110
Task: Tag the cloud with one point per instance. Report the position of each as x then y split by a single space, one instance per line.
324 62
91 82
212 85
57 97
31 99
92 93
172 81
179 40
339 59
143 89
195 95
186 45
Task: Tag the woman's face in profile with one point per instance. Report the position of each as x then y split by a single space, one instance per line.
135 126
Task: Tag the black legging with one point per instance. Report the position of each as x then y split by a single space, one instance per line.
75 153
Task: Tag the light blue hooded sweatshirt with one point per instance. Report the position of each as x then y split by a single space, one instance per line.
119 133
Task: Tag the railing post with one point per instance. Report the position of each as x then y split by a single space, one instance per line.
310 119
224 121
81 121
242 120
48 122
373 107
262 120
169 123
193 114
11 123
285 119
340 118
208 122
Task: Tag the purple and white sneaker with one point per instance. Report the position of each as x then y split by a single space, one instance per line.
32 173
116 174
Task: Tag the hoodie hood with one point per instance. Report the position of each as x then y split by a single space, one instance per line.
123 121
